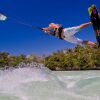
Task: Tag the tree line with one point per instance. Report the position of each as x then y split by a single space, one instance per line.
77 58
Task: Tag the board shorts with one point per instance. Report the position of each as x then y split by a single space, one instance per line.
69 35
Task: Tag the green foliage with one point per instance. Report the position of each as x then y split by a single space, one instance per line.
8 60
78 58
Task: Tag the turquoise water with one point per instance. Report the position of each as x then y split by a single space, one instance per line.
43 84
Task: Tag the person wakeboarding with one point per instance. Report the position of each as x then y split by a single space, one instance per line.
67 34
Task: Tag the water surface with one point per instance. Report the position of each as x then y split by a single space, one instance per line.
33 83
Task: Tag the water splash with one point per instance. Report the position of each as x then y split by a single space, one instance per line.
34 81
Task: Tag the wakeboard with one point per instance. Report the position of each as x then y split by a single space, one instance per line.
95 19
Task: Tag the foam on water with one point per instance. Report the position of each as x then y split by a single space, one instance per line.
36 82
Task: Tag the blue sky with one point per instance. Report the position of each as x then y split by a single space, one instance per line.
19 39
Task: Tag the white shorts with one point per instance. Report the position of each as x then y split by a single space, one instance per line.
69 35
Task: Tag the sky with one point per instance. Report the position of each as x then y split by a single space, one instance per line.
20 39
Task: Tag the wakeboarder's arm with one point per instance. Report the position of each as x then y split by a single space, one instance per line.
47 30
